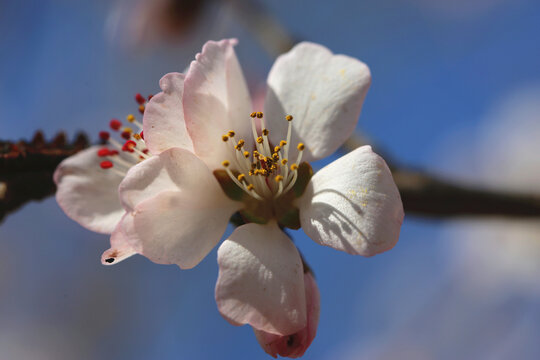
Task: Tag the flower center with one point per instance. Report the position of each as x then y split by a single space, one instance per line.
265 174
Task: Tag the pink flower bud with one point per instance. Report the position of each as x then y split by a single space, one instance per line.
295 345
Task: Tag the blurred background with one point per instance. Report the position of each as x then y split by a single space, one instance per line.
456 91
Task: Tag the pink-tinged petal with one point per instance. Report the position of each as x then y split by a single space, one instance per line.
216 100
172 170
163 122
87 193
261 281
323 92
120 246
353 205
295 345
180 227
179 210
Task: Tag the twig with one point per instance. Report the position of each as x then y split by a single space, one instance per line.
26 168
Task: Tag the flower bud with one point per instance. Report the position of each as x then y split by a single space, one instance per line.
295 345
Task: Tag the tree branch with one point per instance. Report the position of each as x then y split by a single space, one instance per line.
26 168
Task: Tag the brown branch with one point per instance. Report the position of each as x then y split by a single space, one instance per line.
426 195
26 168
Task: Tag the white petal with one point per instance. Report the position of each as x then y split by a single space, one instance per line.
120 246
179 210
172 170
353 205
261 280
323 92
216 100
180 227
163 122
87 193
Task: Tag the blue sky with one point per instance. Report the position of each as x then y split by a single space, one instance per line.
436 73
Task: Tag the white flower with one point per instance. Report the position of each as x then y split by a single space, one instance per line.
205 140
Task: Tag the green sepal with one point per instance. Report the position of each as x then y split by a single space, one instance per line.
229 187
305 172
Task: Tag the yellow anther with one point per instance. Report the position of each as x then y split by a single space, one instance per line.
278 178
130 118
241 177
288 117
300 146
225 163
253 114
260 140
259 115
141 108
282 143
225 138
246 154
284 162
230 133
137 136
240 144
250 187
265 132
275 157
294 167
255 154
276 149
129 130
251 172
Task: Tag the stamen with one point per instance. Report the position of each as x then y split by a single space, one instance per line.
129 146
279 180
225 138
126 135
103 152
289 118
104 135
231 133
115 124
141 109
300 148
140 99
106 164
131 118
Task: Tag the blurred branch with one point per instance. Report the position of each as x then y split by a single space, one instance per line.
426 195
26 168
